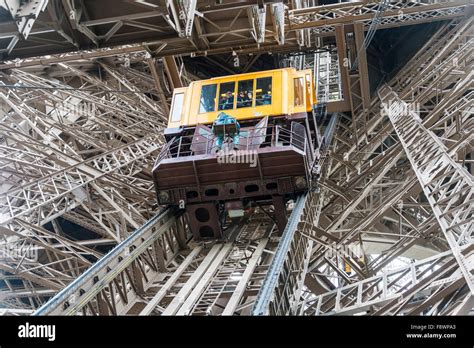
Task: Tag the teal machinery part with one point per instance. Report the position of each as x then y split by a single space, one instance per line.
226 125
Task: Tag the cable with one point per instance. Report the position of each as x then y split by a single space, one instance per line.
371 32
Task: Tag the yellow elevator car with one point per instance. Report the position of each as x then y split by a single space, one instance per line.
235 141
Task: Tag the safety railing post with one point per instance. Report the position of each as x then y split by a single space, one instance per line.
179 145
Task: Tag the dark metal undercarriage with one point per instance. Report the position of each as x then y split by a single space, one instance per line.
275 160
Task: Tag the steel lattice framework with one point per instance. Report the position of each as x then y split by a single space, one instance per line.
83 156
171 27
388 230
376 183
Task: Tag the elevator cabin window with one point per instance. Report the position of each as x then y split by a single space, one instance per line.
298 91
177 107
264 91
308 89
208 99
226 95
245 96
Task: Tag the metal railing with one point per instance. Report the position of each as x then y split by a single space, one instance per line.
278 136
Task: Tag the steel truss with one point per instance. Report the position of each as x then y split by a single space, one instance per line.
197 28
397 290
393 186
447 185
378 191
82 154
155 272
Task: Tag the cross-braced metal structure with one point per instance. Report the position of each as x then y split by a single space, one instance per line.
196 28
387 231
402 178
82 154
